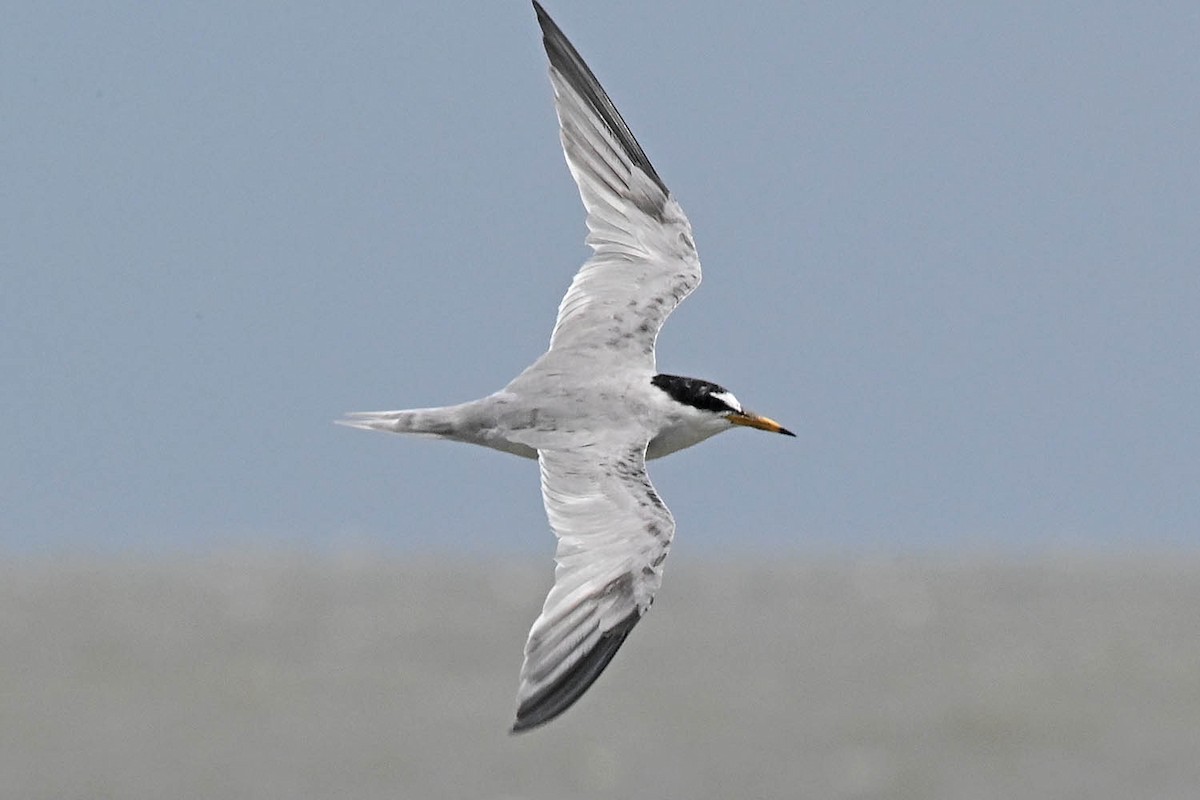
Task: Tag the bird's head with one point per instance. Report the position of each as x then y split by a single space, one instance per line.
716 400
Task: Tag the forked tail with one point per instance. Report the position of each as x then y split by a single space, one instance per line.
419 421
473 423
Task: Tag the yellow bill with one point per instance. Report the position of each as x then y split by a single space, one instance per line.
751 420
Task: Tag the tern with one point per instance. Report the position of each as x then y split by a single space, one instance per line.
594 408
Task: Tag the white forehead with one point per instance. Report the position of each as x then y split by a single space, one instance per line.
728 399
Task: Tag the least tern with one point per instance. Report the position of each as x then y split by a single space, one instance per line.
593 408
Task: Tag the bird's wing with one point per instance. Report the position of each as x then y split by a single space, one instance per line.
644 260
613 536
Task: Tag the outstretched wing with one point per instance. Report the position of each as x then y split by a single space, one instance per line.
613 536
644 260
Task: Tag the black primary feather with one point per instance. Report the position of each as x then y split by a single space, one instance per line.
562 694
566 59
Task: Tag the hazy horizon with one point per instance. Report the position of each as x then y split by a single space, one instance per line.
363 677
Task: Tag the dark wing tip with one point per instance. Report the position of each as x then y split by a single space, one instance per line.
566 60
562 694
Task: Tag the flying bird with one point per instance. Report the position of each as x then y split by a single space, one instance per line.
594 408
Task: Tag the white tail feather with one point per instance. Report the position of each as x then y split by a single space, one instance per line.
419 421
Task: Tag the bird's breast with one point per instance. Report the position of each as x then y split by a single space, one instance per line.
679 435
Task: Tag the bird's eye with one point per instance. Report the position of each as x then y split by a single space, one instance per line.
728 399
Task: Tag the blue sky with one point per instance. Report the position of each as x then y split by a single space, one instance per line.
955 249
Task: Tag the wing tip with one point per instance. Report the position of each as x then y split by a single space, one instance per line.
545 21
556 698
567 61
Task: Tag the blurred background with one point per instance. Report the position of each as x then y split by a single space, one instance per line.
954 249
